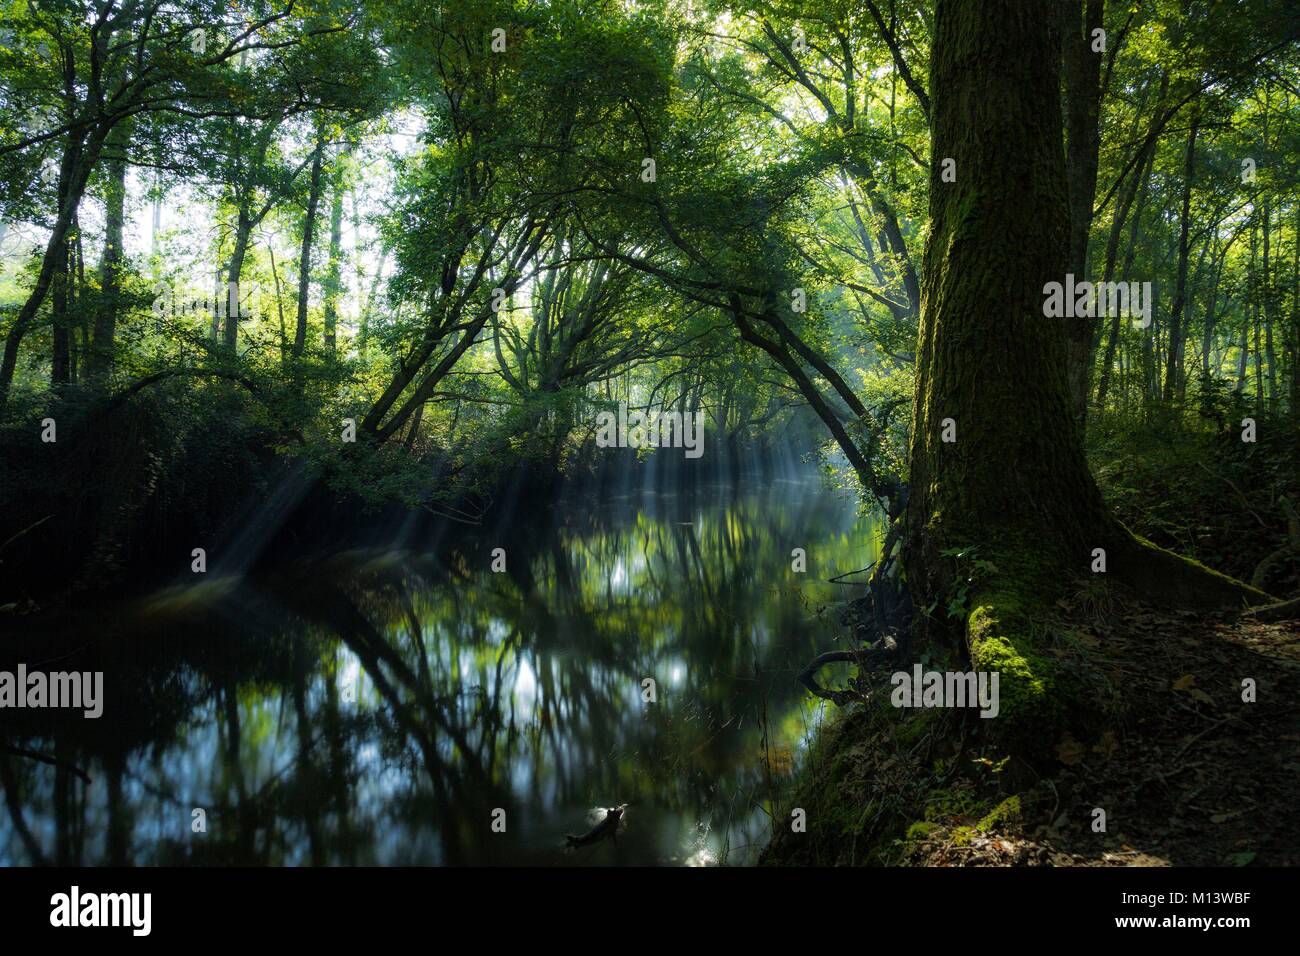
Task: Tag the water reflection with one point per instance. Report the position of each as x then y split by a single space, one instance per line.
381 707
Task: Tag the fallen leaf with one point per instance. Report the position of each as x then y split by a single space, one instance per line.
1070 751
1107 745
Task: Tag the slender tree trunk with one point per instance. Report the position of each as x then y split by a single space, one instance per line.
304 257
79 159
1243 353
99 363
1083 139
1259 363
1174 361
1267 311
80 342
1294 335
156 222
1141 178
1252 298
1209 367
334 269
892 237
363 333
235 269
60 359
279 305
813 395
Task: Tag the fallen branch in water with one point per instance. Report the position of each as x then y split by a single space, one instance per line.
878 653
839 578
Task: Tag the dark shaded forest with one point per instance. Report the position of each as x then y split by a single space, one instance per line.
390 390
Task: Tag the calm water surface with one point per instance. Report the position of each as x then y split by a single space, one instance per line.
378 707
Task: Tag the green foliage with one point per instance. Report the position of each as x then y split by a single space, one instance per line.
499 268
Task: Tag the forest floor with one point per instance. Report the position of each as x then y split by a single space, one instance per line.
1187 771
1190 774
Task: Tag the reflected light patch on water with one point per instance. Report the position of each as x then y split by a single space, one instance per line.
702 857
525 689
378 718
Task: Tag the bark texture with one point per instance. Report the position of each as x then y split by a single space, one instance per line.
1014 484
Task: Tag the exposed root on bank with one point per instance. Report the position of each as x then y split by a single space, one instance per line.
1284 611
868 659
1183 732
1165 578
885 611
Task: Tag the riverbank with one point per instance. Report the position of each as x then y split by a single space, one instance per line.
1190 756
120 504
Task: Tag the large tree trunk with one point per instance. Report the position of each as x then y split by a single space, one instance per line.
987 357
1014 485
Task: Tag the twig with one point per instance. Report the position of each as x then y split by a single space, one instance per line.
839 578
30 527
1183 749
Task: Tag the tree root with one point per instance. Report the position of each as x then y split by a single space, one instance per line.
1290 548
1163 577
1284 611
882 651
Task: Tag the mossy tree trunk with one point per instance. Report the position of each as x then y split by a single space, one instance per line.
988 359
1014 484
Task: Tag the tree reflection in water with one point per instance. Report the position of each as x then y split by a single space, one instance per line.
377 707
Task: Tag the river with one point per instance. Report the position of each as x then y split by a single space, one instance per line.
414 706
